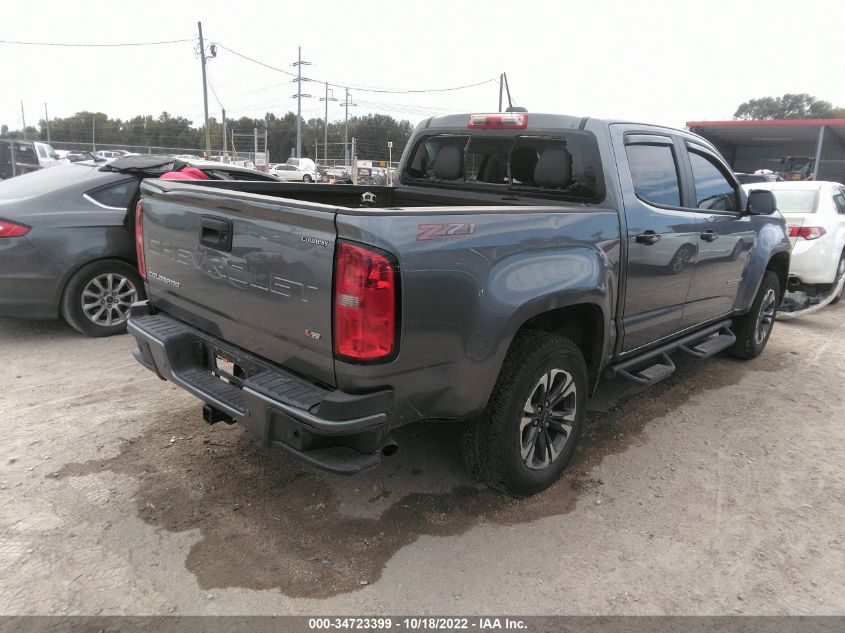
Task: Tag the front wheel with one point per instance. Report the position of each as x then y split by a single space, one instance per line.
840 272
96 300
754 328
307 178
528 432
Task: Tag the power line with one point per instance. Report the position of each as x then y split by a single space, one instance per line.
359 88
76 45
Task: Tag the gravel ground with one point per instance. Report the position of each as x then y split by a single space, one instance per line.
720 491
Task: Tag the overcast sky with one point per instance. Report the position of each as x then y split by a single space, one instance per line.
660 62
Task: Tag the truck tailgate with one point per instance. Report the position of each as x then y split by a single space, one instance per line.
253 270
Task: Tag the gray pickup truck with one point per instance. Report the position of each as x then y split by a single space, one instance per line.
518 259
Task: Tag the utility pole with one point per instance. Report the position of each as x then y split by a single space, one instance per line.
255 154
47 119
93 132
23 118
299 64
204 93
389 161
354 164
326 123
346 104
224 134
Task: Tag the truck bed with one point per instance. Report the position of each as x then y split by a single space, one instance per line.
271 292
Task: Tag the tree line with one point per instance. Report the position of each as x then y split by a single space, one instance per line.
373 131
789 106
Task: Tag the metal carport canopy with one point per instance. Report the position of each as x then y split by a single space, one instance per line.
781 132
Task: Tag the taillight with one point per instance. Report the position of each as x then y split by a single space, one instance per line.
807 232
365 304
139 238
510 120
10 229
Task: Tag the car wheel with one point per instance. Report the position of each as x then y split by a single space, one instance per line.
754 328
527 434
840 272
97 297
307 178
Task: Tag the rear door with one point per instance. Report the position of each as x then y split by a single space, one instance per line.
726 236
662 236
253 270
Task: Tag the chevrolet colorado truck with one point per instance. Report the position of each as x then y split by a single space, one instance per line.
518 259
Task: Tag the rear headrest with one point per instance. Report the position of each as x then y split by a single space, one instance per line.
449 163
554 169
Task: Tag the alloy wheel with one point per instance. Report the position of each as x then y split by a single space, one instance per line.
766 316
548 417
106 299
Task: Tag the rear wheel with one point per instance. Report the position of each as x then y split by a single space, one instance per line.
96 300
528 432
754 328
307 178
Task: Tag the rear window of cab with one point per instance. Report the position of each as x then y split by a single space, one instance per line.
566 165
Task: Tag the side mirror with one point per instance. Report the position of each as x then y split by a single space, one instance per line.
761 202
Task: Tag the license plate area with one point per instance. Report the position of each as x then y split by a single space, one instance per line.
224 369
225 365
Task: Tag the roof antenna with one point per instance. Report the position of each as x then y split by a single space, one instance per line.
511 106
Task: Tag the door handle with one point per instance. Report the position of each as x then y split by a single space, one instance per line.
709 235
648 237
216 233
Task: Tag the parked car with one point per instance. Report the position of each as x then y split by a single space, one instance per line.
107 154
47 156
815 218
294 173
336 174
306 164
66 240
496 283
76 155
23 157
761 175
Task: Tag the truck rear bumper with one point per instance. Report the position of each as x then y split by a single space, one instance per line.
327 428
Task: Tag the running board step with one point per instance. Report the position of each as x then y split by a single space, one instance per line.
651 374
707 347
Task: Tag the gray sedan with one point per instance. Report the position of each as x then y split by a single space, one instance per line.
67 241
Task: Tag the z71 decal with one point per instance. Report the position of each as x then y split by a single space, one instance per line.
444 231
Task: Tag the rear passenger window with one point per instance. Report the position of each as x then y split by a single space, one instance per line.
117 196
839 200
655 173
712 188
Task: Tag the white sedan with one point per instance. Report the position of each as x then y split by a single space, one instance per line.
293 173
815 217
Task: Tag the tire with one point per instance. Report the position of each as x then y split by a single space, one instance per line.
307 178
497 445
97 297
754 328
840 270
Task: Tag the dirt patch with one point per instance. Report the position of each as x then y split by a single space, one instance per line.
268 521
